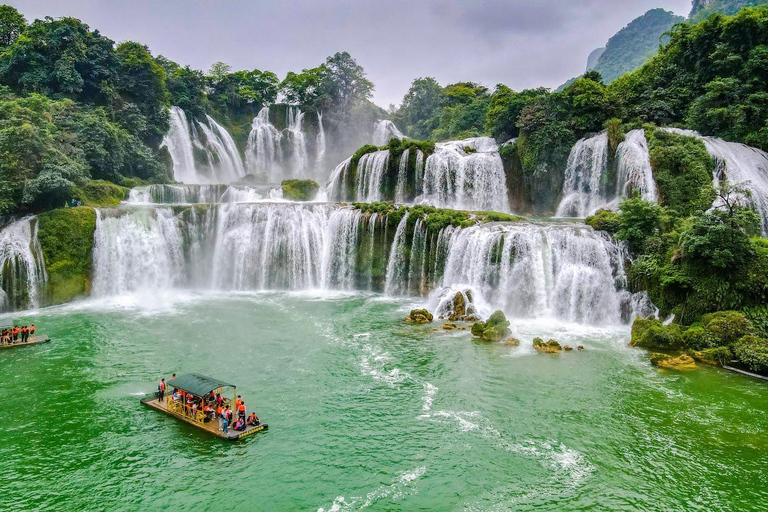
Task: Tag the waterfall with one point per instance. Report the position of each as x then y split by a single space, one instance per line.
563 271
23 267
383 131
634 168
320 145
583 188
264 154
740 165
336 188
370 173
298 140
225 247
396 265
466 175
402 171
178 141
223 163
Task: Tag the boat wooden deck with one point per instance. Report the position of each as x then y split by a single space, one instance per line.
35 340
212 427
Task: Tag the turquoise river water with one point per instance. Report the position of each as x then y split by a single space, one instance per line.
365 413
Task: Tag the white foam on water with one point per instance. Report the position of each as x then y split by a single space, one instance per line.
430 391
402 485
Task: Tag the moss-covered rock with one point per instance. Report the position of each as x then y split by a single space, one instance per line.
419 316
652 334
66 238
547 347
683 362
101 193
753 352
300 190
717 356
495 329
697 338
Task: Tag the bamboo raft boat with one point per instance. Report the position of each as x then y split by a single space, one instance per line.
200 386
34 340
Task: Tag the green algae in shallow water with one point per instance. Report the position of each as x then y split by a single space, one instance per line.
364 408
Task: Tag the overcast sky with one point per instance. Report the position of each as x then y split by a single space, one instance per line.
521 43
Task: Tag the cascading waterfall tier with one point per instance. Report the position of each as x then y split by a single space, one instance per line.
563 271
225 247
740 165
466 175
462 175
592 184
201 194
23 277
285 154
218 161
584 186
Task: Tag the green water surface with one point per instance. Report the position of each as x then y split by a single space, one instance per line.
366 412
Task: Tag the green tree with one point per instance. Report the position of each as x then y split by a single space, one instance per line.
12 24
345 83
141 82
420 108
305 88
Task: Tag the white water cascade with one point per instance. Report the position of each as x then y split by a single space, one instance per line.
201 194
222 160
466 175
740 165
385 130
298 141
370 174
320 145
587 164
264 153
634 168
225 247
178 141
22 265
562 271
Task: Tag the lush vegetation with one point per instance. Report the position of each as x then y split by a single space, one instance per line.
703 8
66 237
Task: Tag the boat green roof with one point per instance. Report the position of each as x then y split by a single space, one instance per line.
197 384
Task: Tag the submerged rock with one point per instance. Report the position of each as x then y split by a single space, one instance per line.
512 342
450 327
496 328
683 362
419 316
568 348
580 347
549 347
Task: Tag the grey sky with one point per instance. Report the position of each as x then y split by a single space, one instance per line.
521 43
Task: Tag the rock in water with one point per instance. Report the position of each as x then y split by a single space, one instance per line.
419 316
580 347
549 347
512 342
460 309
496 328
568 348
684 362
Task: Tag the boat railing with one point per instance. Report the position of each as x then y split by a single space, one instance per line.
187 410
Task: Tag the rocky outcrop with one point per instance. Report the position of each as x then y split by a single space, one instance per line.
496 328
460 308
512 342
683 362
419 316
548 347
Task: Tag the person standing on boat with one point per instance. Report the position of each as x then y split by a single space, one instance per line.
161 389
32 330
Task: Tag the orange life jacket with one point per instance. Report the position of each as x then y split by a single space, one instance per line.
241 408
